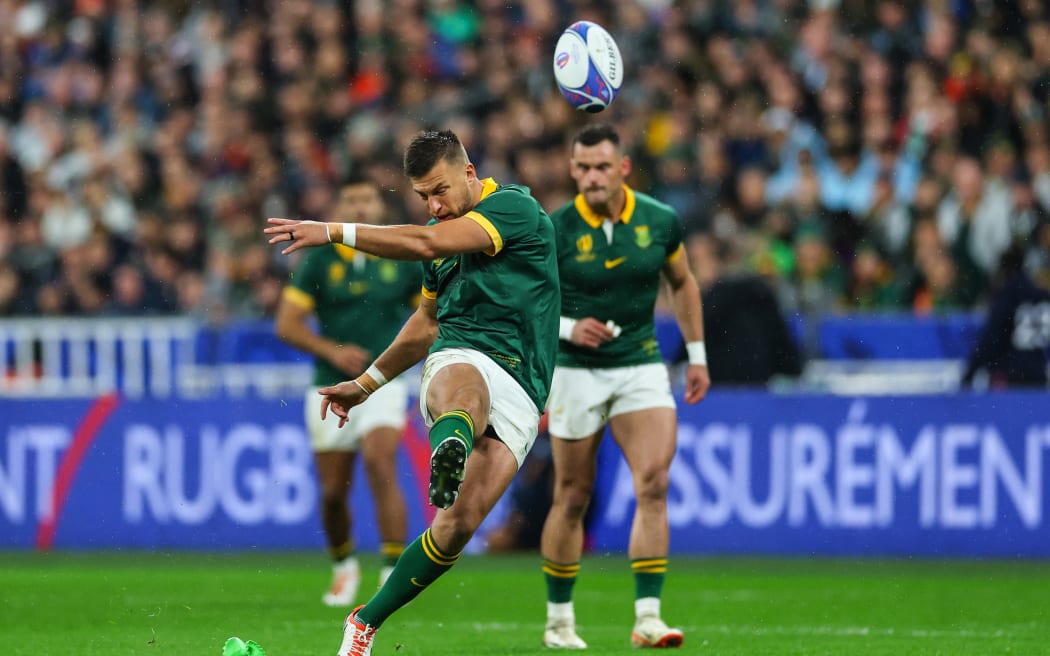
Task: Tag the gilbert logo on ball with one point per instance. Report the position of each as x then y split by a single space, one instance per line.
587 66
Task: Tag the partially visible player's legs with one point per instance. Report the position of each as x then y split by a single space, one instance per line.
488 474
334 473
647 438
379 452
561 542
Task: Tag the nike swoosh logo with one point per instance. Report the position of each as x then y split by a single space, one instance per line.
417 583
609 264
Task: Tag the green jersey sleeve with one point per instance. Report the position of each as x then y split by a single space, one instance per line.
507 215
306 280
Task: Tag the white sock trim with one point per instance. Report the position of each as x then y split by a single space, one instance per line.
561 611
647 607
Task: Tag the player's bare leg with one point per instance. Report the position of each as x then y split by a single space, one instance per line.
490 470
334 472
379 452
561 542
647 439
458 401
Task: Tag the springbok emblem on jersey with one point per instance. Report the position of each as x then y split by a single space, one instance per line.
642 237
585 244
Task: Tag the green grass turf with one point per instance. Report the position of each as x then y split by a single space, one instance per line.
188 604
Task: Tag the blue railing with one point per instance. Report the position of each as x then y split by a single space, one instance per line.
180 356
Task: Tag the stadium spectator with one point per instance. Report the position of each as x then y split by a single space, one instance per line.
490 287
181 109
1014 343
748 340
360 303
614 247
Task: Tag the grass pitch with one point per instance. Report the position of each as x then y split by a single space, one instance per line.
118 603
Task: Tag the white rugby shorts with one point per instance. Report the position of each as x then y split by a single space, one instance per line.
583 400
512 414
385 408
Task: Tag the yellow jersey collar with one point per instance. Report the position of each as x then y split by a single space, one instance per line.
594 220
488 185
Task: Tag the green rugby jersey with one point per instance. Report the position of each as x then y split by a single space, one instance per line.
503 302
615 280
358 299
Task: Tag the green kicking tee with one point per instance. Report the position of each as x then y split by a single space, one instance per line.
503 302
615 279
358 299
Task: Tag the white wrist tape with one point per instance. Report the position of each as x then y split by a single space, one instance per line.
697 353
565 326
376 375
350 234
328 232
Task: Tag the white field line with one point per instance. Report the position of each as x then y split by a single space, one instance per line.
733 630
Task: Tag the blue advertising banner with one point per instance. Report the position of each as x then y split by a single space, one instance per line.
962 475
754 473
180 474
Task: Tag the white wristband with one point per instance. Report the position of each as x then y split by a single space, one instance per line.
697 353
328 231
376 375
565 326
350 234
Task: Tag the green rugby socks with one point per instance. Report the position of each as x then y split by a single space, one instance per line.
649 576
420 564
453 423
560 577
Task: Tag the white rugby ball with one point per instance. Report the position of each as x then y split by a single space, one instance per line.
587 66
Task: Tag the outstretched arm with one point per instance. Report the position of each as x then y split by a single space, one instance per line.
685 299
409 347
397 242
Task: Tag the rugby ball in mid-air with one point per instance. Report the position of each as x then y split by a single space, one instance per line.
588 66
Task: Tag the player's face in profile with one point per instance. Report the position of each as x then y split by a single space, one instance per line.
359 203
599 172
446 189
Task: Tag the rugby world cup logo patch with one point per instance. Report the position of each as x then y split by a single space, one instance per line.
585 245
562 59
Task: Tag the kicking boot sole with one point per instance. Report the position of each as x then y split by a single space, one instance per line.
446 472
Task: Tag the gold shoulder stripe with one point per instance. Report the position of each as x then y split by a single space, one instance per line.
299 297
426 293
673 257
497 239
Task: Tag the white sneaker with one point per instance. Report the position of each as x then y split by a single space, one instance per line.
384 574
346 577
561 634
357 636
651 631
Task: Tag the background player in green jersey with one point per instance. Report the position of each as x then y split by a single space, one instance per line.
360 302
614 244
489 320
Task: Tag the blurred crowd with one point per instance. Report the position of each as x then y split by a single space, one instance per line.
857 155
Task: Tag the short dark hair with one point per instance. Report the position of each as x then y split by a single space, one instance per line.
430 147
592 135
